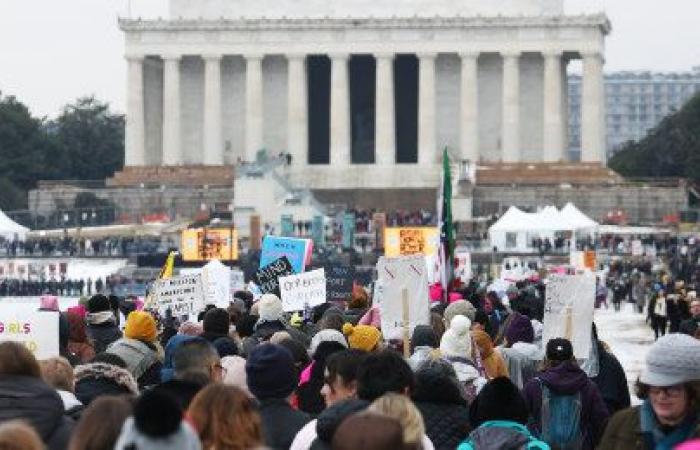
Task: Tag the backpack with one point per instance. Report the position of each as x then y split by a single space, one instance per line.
561 420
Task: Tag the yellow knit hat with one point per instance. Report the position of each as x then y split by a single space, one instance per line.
142 326
362 337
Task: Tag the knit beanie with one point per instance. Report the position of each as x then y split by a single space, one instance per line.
457 341
520 330
424 336
327 335
141 325
48 303
270 308
673 359
459 308
217 321
559 349
98 303
235 372
362 337
499 399
270 372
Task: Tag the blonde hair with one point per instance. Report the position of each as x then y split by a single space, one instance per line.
57 373
17 435
401 408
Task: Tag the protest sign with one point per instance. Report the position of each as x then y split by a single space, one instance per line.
183 295
237 280
637 248
267 277
37 330
297 251
216 279
568 310
302 291
463 265
339 281
411 241
404 297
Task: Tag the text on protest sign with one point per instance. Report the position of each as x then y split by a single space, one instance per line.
297 251
216 279
37 330
182 295
303 290
568 311
407 273
339 280
267 277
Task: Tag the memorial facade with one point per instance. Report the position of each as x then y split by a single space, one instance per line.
361 93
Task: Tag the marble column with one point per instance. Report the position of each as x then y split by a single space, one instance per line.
554 148
592 109
340 150
172 152
510 124
469 106
427 151
385 128
253 106
297 110
213 142
135 154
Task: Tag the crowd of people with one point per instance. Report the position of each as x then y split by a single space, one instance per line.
113 246
254 377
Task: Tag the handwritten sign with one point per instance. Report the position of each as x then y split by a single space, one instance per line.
216 279
183 295
396 275
411 241
568 310
303 290
297 251
267 277
37 330
339 281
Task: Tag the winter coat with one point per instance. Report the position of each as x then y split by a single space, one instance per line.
690 326
353 315
103 334
568 379
502 435
611 381
280 423
493 362
96 379
32 400
83 351
141 359
624 431
181 391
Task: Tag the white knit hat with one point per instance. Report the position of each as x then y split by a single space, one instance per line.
327 335
457 340
270 308
673 359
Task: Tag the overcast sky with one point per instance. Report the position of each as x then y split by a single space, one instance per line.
54 51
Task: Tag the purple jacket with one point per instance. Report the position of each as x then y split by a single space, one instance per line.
568 379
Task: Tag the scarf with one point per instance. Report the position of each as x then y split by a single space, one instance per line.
99 317
652 432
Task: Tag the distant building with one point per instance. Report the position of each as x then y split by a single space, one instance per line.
636 103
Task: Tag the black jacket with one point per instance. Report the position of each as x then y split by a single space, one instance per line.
182 391
280 423
103 334
611 381
96 379
31 399
690 326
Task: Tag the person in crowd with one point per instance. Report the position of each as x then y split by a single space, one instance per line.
690 326
675 306
271 320
100 423
459 308
309 395
167 371
18 435
272 379
379 432
438 325
157 424
101 323
566 407
331 418
402 408
657 313
607 373
456 347
363 337
25 396
357 305
105 375
217 325
79 344
522 357
500 415
493 362
423 343
138 348
64 340
225 418
440 398
58 373
332 319
669 387
382 372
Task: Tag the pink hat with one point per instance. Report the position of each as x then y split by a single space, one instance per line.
690 445
435 292
454 297
48 303
80 310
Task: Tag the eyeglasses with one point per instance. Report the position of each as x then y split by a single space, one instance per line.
669 391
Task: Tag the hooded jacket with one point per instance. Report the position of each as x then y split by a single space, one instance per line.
141 359
30 399
96 379
568 379
502 435
103 334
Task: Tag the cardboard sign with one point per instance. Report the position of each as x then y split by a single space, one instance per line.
339 280
297 251
302 291
267 278
183 295
396 275
568 310
411 241
37 330
216 278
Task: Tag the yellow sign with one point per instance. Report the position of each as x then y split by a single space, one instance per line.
205 244
401 241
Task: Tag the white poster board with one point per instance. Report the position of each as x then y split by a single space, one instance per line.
237 280
637 248
216 278
37 330
183 295
463 269
396 275
568 310
303 290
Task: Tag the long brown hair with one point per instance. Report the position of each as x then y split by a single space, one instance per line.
100 424
18 435
16 359
225 418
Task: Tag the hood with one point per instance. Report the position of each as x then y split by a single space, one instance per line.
114 374
566 378
500 435
33 400
331 418
166 373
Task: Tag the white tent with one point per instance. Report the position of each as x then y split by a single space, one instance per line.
582 221
9 229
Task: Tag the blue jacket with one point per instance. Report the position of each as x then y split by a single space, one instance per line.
502 435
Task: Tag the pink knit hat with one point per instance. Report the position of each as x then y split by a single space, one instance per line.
79 310
48 303
435 292
454 297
